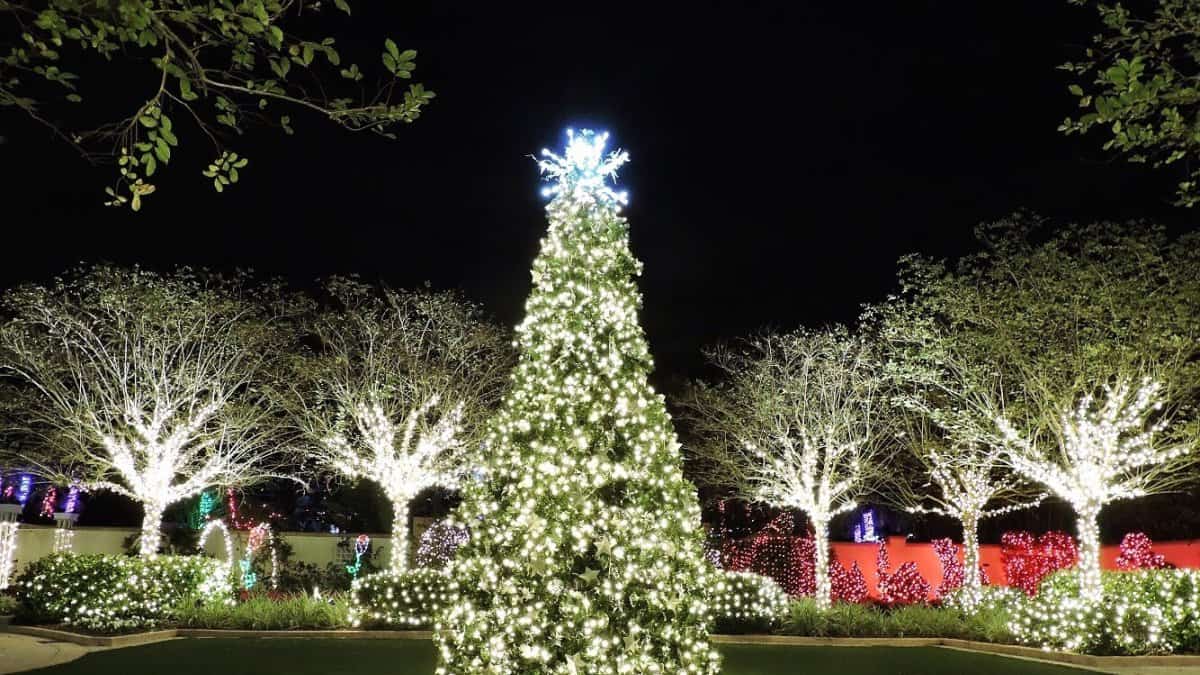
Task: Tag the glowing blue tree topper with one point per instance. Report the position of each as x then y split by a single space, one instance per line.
584 169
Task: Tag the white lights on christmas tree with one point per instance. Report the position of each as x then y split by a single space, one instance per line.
584 554
584 170
403 461
1108 453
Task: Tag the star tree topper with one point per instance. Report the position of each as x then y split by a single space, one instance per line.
584 169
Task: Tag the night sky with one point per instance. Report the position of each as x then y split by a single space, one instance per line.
784 155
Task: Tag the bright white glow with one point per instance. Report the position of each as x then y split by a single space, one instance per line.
8 549
218 526
1108 453
403 460
584 169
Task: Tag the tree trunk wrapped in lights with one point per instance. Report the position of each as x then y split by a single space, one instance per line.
396 390
147 385
796 424
585 547
1107 451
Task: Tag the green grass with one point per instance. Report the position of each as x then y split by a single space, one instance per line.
263 613
293 656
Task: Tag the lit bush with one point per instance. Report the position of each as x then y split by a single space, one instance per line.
744 602
1143 612
115 593
399 599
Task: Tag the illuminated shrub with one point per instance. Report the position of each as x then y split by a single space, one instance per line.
744 602
1142 612
905 586
399 599
116 593
439 543
847 585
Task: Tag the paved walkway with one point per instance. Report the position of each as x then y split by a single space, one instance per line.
23 652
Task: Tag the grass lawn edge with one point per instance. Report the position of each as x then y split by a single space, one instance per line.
1014 651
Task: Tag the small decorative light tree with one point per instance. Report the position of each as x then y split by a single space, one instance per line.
585 547
796 424
1108 452
963 481
146 383
397 390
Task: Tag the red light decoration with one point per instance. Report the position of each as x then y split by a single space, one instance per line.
776 553
905 586
1137 553
1028 559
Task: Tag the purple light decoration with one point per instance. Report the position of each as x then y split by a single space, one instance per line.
24 488
72 499
864 530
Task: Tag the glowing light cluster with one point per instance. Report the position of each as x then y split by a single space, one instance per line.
8 551
114 592
1028 560
1140 612
1137 553
584 170
847 585
744 601
439 543
584 554
361 544
1108 453
259 536
407 599
49 498
226 539
774 552
905 586
403 460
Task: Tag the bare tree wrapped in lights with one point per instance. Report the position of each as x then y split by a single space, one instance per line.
148 384
397 389
585 549
797 423
1106 449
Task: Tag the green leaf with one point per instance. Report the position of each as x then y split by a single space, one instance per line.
389 62
163 151
185 90
307 56
233 175
342 5
74 98
407 55
1075 89
148 121
276 36
390 46
252 25
168 136
151 165
217 184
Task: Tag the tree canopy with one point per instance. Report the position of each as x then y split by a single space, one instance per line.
219 67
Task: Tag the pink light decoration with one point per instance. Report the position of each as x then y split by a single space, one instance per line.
847 585
1137 553
48 501
905 586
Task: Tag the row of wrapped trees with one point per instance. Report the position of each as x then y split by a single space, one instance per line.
160 386
1063 365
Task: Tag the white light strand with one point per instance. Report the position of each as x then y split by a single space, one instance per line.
584 170
8 550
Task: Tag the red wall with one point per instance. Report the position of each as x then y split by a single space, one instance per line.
1184 554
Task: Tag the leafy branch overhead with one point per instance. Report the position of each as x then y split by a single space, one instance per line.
1137 82
220 66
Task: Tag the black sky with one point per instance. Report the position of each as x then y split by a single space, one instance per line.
784 155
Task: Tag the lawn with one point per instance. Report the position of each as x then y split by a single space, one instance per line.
294 656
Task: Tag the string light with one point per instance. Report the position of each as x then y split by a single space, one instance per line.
744 600
585 548
72 503
403 460
49 498
1108 453
24 488
8 542
361 544
439 543
847 585
218 526
407 599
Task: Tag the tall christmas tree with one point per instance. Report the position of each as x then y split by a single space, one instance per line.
585 552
